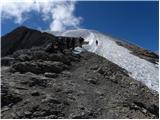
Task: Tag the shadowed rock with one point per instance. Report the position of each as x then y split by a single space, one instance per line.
22 38
8 96
39 67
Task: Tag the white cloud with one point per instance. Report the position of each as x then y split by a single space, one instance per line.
60 13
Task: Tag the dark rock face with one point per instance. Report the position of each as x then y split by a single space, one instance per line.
22 38
25 38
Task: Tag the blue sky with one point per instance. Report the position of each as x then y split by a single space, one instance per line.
136 22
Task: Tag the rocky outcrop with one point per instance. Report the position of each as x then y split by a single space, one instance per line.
25 38
140 52
22 38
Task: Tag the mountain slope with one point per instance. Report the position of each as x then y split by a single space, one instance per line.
135 60
88 86
39 84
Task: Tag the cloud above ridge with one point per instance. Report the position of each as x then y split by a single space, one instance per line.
60 13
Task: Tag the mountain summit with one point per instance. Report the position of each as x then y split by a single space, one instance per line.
105 78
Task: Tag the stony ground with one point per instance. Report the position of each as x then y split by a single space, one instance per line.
36 84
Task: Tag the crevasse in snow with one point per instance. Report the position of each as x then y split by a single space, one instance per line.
138 68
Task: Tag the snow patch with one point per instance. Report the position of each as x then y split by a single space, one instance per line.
139 69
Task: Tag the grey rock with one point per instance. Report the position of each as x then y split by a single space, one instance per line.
24 57
66 73
38 81
5 108
101 70
94 68
39 67
51 117
51 99
35 93
51 75
27 113
144 111
99 93
91 80
9 97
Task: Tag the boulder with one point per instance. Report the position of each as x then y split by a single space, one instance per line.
27 114
51 75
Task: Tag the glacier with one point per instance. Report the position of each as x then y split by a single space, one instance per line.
139 69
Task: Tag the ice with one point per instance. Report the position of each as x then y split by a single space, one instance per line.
139 69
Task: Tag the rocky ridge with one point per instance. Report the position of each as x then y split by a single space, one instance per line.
38 84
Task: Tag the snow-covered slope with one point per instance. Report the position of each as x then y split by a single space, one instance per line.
138 68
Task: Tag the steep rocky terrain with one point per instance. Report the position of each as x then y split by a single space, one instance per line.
37 84
24 38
